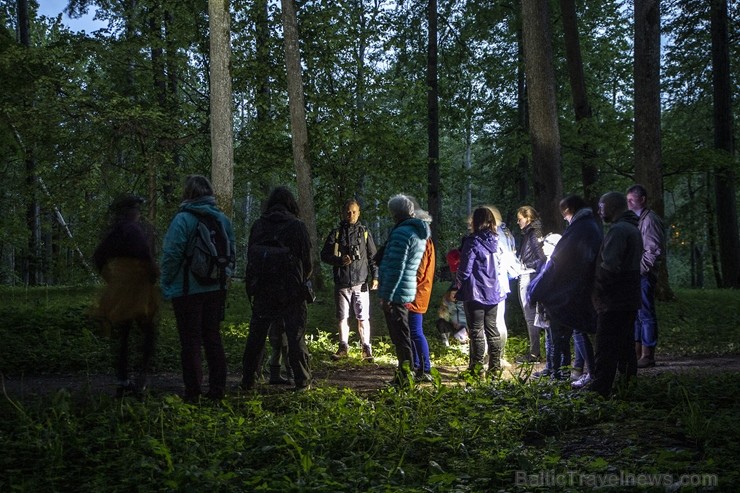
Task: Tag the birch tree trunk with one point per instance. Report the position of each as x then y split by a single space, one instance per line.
299 129
222 140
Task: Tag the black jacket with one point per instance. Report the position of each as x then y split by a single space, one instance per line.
353 240
530 251
290 230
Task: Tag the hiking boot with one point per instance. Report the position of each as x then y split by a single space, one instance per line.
342 352
367 353
528 358
276 378
648 357
302 385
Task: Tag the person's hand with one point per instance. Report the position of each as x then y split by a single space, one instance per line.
374 285
346 260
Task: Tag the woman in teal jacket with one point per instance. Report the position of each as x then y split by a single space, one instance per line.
198 308
397 275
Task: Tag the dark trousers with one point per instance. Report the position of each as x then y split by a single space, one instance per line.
561 335
614 348
397 320
482 328
124 332
198 319
293 318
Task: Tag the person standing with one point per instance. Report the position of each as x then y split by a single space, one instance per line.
531 259
506 268
400 262
564 285
478 289
279 222
350 250
653 244
198 306
616 293
424 280
124 259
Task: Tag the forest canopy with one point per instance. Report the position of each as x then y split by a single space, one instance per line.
127 109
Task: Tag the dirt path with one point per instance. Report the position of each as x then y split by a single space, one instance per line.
365 378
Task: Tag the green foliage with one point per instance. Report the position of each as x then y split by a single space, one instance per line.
450 436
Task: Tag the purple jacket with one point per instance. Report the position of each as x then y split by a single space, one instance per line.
476 276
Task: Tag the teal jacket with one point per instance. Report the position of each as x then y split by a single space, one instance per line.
401 258
179 235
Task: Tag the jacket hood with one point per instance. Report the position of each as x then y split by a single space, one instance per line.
581 214
202 205
486 240
628 217
277 214
420 227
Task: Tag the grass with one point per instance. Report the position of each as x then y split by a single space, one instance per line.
511 435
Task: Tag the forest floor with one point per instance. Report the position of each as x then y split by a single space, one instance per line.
364 378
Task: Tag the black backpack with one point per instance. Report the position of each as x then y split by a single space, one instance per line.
274 276
208 253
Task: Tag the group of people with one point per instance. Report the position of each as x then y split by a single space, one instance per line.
594 284
589 284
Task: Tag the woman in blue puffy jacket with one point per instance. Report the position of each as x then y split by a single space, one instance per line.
478 289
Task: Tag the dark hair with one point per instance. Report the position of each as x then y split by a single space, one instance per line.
196 186
572 203
638 190
283 196
483 219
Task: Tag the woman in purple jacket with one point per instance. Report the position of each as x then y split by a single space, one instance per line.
479 291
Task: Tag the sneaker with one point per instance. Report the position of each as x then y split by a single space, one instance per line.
423 377
504 363
546 373
581 382
367 353
342 352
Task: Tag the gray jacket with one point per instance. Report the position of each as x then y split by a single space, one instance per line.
653 241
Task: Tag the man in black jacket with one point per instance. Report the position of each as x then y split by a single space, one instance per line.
350 250
616 293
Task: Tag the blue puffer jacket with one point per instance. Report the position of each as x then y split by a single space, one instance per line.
179 234
476 277
564 285
401 258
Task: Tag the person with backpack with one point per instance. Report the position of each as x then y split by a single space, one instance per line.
350 250
198 258
278 270
130 299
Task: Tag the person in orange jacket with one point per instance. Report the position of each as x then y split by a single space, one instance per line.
418 307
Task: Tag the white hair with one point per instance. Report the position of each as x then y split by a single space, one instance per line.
400 207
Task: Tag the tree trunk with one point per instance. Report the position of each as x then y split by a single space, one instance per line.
32 264
299 130
523 119
647 140
543 119
724 181
589 170
433 172
222 139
